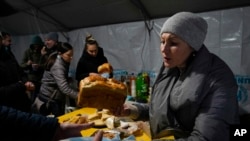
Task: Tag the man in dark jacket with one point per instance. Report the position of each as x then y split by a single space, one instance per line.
13 83
33 64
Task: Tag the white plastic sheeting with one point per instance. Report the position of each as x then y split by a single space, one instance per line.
133 48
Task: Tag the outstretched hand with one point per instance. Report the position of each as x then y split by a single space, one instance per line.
66 130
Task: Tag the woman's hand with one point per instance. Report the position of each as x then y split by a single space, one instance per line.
121 111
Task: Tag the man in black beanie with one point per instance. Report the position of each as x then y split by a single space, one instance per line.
32 63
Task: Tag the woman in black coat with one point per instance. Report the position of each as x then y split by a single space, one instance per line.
91 58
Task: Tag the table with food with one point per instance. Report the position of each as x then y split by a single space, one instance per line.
113 127
97 95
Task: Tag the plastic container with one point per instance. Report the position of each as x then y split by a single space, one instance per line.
141 88
133 85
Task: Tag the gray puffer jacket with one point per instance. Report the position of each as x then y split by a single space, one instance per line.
55 81
198 104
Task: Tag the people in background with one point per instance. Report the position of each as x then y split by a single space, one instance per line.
14 84
195 94
16 125
32 63
51 42
91 58
55 85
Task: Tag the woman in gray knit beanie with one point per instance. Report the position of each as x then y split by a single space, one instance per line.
195 94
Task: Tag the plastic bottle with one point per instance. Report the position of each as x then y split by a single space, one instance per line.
133 85
146 80
140 85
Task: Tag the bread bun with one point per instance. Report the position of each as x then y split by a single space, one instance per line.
105 68
101 93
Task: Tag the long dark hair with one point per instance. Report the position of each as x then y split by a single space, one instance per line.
61 48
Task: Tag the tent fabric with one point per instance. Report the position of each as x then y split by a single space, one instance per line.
131 47
42 16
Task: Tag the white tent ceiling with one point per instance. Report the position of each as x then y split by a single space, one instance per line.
22 17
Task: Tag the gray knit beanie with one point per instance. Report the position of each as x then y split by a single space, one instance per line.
189 27
52 36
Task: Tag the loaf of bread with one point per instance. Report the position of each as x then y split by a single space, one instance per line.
101 93
105 68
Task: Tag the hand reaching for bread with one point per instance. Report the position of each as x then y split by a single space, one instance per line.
123 125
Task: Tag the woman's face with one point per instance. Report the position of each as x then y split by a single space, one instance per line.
174 50
92 49
67 56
